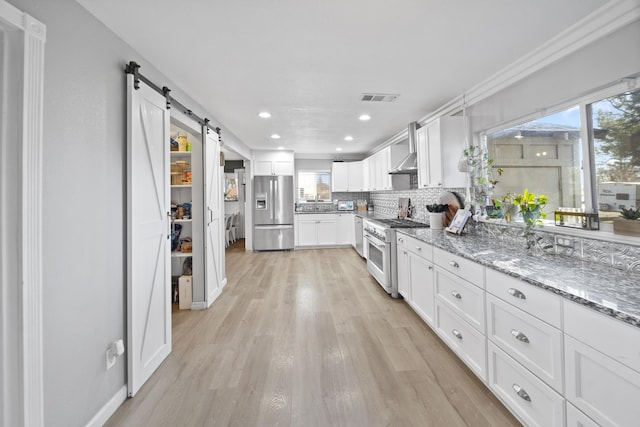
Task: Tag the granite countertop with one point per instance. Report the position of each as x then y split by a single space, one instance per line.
610 290
363 214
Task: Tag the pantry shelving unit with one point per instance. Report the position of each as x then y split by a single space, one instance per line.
184 192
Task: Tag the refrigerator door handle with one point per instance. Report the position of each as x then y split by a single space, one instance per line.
271 197
276 196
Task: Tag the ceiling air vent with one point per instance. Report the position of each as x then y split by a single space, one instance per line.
379 97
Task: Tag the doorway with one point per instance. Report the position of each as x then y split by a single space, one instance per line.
236 200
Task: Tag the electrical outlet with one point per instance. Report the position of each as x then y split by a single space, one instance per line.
114 350
565 242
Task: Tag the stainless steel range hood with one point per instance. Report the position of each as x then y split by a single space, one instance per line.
409 164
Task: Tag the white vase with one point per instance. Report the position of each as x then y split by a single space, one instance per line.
435 220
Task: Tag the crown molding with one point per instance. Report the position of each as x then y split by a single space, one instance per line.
610 17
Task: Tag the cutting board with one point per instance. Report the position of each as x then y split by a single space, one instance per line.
454 201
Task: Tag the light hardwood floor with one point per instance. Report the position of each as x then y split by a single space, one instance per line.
307 338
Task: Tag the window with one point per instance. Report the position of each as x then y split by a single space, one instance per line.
548 155
314 186
543 156
616 141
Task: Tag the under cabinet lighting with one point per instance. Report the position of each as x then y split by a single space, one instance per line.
519 135
264 114
338 149
275 136
281 148
364 117
348 138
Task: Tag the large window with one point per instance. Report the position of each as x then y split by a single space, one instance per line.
543 156
314 186
548 155
616 134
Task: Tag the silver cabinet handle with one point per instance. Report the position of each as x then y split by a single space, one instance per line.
456 294
418 248
430 268
516 293
456 334
454 264
170 223
520 392
519 335
400 240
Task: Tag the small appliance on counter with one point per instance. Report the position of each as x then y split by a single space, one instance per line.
345 205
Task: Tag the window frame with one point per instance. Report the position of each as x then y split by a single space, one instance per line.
316 171
583 102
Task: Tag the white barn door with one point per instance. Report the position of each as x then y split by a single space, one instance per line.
214 218
148 206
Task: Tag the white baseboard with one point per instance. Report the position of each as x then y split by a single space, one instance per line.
201 305
213 296
109 408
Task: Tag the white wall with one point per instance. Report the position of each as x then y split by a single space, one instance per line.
600 63
84 206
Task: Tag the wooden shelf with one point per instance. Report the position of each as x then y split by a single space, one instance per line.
182 186
181 153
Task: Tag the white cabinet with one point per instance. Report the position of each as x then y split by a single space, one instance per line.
576 418
355 176
533 343
273 163
339 176
345 229
439 147
421 282
324 230
602 364
464 340
534 402
461 296
346 176
402 260
376 170
366 177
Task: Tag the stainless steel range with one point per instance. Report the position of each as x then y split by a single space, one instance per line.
380 238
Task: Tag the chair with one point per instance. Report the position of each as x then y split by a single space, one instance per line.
227 229
234 226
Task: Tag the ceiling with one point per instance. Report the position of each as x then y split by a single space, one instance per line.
309 62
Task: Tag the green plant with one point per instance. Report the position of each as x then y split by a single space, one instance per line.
630 213
483 175
530 203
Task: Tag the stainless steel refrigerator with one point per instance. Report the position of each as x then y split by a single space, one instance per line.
273 213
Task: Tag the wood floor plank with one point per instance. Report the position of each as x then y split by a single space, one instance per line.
308 338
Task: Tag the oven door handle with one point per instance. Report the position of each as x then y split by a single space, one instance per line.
376 245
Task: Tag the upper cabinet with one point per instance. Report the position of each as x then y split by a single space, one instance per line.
273 163
440 145
346 176
379 166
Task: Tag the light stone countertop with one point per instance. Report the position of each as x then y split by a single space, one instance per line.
612 291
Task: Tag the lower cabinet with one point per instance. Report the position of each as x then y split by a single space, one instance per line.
469 344
529 398
551 361
324 230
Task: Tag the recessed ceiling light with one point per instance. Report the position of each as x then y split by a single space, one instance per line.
364 117
264 114
275 136
338 149
281 148
348 138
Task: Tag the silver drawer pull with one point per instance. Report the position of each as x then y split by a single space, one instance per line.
520 392
418 248
519 335
516 293
456 294
400 240
454 264
456 334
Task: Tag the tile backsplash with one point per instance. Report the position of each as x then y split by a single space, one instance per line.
385 203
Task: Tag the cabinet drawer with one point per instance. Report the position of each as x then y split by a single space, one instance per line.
602 388
533 343
465 341
611 336
422 249
465 299
576 418
459 266
534 402
538 302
